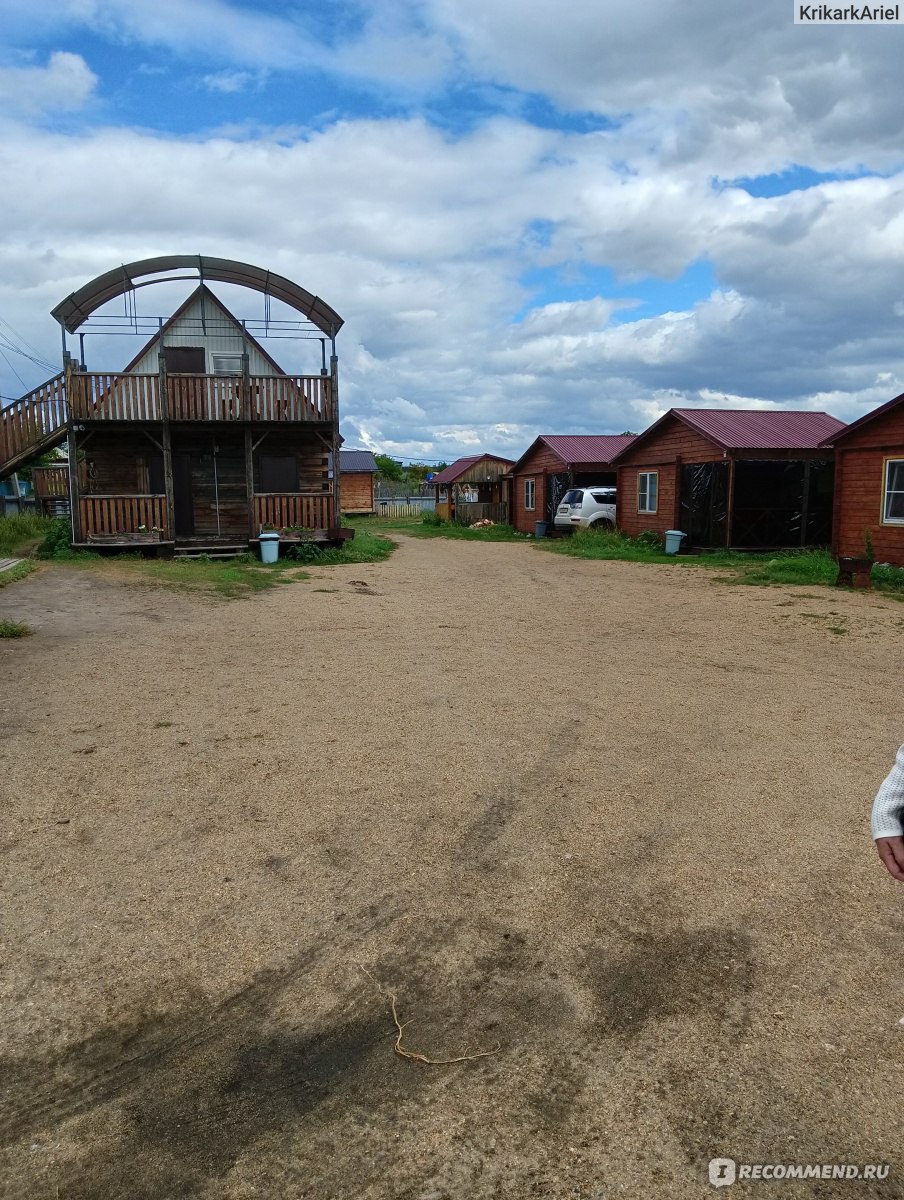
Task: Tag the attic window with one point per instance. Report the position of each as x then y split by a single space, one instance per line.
227 364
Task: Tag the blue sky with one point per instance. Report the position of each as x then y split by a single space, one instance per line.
554 223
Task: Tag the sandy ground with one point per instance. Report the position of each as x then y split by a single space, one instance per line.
606 820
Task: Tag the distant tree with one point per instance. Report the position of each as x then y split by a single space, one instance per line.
628 433
390 468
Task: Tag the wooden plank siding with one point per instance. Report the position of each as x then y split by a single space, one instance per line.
294 510
535 466
357 492
110 515
673 446
859 482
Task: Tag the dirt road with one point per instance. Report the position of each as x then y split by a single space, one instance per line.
607 821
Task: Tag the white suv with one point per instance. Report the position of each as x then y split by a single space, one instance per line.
584 507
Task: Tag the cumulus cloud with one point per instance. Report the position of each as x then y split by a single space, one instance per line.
427 241
66 84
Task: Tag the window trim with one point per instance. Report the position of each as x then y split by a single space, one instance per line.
647 475
532 485
883 519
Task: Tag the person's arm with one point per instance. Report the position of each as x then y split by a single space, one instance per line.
888 819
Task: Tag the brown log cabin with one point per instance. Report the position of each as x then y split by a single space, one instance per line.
202 439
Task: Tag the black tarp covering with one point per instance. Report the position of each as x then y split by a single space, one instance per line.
704 503
782 503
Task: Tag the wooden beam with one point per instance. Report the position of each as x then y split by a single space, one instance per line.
249 481
168 482
74 498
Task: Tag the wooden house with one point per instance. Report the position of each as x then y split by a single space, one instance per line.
749 479
869 486
202 439
473 488
357 471
555 463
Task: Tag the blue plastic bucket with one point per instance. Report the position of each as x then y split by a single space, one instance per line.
673 540
269 547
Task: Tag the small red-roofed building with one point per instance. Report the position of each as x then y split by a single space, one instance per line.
555 463
473 488
751 479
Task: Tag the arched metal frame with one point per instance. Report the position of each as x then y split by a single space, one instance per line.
78 306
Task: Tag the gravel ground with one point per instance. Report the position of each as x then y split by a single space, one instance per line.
607 821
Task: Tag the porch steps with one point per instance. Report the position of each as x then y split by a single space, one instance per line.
216 551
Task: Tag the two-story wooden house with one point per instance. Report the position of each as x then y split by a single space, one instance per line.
202 439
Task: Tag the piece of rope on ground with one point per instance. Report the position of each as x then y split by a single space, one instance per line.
400 1029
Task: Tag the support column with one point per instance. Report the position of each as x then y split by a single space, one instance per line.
249 483
334 376
168 482
75 515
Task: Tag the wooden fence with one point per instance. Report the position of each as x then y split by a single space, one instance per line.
288 510
105 397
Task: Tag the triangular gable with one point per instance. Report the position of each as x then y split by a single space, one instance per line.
461 465
200 292
877 414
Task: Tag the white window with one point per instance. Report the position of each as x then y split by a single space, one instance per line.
530 492
647 491
227 364
893 503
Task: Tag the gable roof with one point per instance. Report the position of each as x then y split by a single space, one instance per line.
582 449
352 461
753 429
202 290
461 465
876 414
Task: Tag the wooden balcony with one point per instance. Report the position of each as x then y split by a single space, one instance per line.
200 398
291 510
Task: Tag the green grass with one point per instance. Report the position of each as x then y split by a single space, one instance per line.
19 533
19 571
417 527
15 629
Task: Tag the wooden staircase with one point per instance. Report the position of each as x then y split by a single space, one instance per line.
33 425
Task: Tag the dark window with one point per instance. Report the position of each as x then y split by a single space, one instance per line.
279 473
573 497
604 497
185 360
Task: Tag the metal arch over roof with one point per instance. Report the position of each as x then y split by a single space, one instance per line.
78 307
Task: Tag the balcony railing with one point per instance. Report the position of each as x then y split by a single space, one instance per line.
288 510
278 398
110 516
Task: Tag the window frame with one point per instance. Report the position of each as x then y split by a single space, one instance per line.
648 475
530 488
887 463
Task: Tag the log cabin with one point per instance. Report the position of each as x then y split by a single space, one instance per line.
868 517
748 479
202 439
555 463
474 488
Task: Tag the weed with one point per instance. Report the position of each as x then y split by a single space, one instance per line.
15 629
19 530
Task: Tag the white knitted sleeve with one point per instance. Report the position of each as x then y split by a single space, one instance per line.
888 807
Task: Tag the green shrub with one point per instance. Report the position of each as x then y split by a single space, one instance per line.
19 529
306 552
649 539
431 518
57 539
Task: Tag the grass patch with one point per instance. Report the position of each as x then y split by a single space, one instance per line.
428 528
15 629
229 579
19 571
19 533
608 544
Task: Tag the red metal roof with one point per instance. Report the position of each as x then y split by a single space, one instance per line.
879 412
761 429
587 447
458 468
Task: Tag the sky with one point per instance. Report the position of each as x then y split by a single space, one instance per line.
532 218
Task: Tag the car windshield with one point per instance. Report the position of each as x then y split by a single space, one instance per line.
574 497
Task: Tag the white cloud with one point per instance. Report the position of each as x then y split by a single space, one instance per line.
65 84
